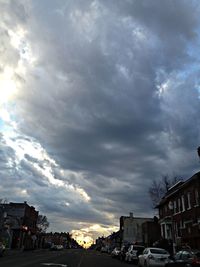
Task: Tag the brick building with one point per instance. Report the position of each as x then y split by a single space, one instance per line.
179 212
151 232
18 224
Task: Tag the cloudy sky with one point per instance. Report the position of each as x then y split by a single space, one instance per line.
97 99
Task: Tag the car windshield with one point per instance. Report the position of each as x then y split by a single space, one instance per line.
158 251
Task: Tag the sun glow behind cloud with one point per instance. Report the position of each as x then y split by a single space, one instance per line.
7 85
86 235
42 163
19 42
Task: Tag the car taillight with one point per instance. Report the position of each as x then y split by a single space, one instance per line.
196 261
151 257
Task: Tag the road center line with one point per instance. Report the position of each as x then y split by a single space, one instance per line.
79 264
54 264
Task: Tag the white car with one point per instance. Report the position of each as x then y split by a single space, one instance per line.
153 257
115 252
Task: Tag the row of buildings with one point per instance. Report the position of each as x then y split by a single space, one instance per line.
22 227
133 230
178 222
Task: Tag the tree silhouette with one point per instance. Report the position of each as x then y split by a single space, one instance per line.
159 188
42 223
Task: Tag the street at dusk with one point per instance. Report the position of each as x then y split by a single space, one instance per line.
65 258
99 133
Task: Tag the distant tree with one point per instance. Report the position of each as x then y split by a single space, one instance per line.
42 223
69 236
159 188
3 201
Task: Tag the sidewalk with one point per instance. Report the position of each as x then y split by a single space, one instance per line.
19 251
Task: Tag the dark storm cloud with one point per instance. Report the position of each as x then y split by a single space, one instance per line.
112 96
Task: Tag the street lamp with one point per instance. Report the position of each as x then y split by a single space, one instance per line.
171 207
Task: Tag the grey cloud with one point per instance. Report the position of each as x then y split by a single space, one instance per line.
92 100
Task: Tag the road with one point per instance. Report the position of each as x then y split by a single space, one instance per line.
65 258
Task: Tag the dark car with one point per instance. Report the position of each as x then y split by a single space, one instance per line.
56 247
2 249
123 250
185 258
133 252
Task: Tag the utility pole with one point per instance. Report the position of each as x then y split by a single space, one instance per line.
198 152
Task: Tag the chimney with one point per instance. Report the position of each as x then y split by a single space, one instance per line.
131 214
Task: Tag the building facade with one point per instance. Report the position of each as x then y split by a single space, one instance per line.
151 232
131 229
179 212
18 224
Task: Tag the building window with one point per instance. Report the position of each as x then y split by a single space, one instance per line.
189 200
165 209
178 230
163 230
175 206
196 197
168 231
179 205
182 224
183 203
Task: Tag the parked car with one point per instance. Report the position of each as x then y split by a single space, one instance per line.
47 245
153 257
133 253
104 249
2 249
123 250
57 247
185 258
115 253
110 249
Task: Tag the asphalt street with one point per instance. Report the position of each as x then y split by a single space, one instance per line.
65 258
